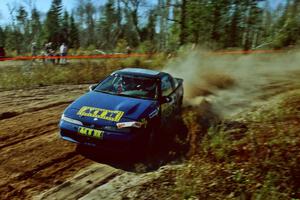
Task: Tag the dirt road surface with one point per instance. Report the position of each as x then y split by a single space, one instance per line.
32 157
35 162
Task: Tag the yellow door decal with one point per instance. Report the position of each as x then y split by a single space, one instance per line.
91 132
110 115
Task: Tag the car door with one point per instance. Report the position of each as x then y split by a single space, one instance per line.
167 89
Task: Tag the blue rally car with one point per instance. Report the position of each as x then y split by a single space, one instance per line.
123 112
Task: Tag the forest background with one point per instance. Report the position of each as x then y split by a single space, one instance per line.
163 26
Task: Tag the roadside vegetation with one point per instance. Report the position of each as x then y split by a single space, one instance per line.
251 155
26 74
149 26
255 155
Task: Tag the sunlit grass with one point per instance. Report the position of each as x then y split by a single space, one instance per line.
255 156
26 74
261 163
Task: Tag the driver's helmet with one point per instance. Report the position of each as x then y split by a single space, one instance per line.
121 84
127 83
148 86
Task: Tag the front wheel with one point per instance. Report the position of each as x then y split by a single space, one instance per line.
151 150
151 142
179 105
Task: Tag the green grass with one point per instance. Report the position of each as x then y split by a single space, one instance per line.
20 75
255 156
262 164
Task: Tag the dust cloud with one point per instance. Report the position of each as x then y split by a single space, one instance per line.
232 83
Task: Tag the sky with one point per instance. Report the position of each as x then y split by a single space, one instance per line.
44 5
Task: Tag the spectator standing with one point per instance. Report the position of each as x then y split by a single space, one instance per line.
48 49
63 49
2 52
50 52
128 50
33 51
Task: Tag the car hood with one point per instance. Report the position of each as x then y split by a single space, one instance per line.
126 107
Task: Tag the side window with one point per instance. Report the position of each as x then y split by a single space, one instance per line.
175 83
166 85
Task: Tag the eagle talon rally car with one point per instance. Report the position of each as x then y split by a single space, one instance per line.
123 111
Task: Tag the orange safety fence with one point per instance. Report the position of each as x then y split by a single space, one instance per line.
75 57
134 55
233 52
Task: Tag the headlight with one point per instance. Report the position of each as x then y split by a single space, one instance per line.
73 121
129 124
116 129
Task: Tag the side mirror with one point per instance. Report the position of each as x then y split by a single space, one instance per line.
166 100
92 87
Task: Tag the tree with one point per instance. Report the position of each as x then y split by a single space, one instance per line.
74 34
183 26
86 12
65 27
162 12
149 30
234 28
13 40
148 33
108 26
2 37
198 21
36 27
166 26
132 29
22 19
288 25
21 31
53 32
252 22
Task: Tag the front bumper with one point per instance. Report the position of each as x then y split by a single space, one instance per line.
111 141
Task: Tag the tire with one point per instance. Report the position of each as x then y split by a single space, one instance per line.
178 109
180 102
149 146
82 149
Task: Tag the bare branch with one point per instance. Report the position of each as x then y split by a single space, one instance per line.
174 20
12 10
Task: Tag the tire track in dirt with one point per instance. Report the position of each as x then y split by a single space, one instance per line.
29 125
12 141
17 102
33 160
85 181
32 156
10 114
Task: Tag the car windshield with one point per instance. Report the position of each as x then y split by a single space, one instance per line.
129 85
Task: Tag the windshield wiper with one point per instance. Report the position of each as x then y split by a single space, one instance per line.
113 93
137 97
124 95
106 92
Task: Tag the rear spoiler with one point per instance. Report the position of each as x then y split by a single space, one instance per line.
180 80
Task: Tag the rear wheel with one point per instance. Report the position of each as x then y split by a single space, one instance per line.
151 141
151 150
179 105
84 150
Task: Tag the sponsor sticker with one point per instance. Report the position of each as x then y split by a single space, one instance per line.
154 113
110 115
91 132
144 122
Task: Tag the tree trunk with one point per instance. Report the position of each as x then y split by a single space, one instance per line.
182 36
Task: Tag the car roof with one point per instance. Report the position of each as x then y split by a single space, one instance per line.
141 72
